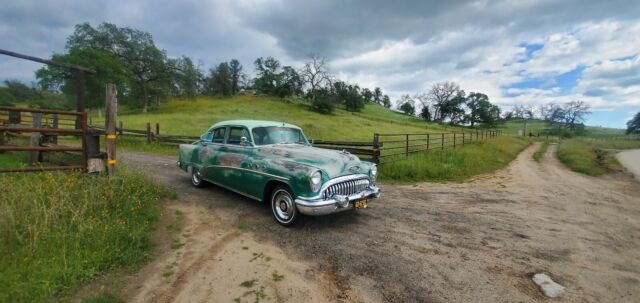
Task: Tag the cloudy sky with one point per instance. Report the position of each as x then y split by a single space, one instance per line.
517 52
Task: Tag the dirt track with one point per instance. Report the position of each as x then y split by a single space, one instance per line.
631 160
473 242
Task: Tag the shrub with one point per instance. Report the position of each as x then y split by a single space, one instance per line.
323 104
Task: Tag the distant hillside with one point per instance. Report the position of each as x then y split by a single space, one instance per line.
192 117
535 125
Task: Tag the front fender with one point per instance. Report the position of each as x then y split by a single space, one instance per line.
296 174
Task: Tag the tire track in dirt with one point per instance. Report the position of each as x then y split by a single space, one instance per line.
185 275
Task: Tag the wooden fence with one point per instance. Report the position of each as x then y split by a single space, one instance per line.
383 148
391 147
44 126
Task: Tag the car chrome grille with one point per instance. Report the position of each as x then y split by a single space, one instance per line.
346 188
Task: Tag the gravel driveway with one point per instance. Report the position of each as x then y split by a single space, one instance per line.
479 241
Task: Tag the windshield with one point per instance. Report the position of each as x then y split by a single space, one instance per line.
278 135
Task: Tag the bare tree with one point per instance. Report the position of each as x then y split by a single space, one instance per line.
575 112
315 73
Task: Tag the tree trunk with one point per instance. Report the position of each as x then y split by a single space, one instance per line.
145 101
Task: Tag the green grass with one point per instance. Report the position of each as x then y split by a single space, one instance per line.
455 164
13 159
593 156
193 117
541 151
59 229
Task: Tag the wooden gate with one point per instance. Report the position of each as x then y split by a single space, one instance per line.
45 126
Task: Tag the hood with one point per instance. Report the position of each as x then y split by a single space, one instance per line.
334 163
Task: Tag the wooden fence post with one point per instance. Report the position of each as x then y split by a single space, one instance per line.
34 156
376 149
149 132
454 140
407 146
54 124
157 128
463 140
110 126
442 142
121 127
427 141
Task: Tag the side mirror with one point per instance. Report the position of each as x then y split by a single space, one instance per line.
244 141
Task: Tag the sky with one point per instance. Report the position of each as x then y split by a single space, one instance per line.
517 52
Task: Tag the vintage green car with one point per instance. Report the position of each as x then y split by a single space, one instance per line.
273 162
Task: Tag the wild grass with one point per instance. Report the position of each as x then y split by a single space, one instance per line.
455 164
58 229
537 156
593 156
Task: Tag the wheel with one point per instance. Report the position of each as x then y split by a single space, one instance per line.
283 206
196 178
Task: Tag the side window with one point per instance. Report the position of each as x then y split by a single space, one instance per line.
236 133
218 135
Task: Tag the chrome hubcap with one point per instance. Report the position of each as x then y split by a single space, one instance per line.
283 205
196 176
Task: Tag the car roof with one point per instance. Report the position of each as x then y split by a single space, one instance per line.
251 124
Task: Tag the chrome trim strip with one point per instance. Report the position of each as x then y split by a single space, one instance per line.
233 190
246 169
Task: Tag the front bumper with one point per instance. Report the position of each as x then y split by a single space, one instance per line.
319 206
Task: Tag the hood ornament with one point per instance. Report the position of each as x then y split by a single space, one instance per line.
354 169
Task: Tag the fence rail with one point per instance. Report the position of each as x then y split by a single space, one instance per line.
45 127
383 148
391 147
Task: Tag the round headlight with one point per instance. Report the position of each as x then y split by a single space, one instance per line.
315 180
374 171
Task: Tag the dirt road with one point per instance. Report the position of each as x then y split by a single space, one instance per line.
473 242
630 159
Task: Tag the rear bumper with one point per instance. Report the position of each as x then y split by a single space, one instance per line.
319 207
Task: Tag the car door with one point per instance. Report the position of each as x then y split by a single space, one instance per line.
209 152
234 160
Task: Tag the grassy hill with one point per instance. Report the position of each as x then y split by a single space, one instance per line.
193 117
535 125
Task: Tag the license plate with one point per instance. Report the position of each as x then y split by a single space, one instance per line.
360 204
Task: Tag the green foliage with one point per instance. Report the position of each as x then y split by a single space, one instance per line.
590 156
16 92
324 104
353 101
185 78
58 229
481 110
386 101
456 164
275 81
633 125
408 108
109 69
425 113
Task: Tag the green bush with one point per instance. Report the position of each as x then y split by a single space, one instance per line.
58 229
323 104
